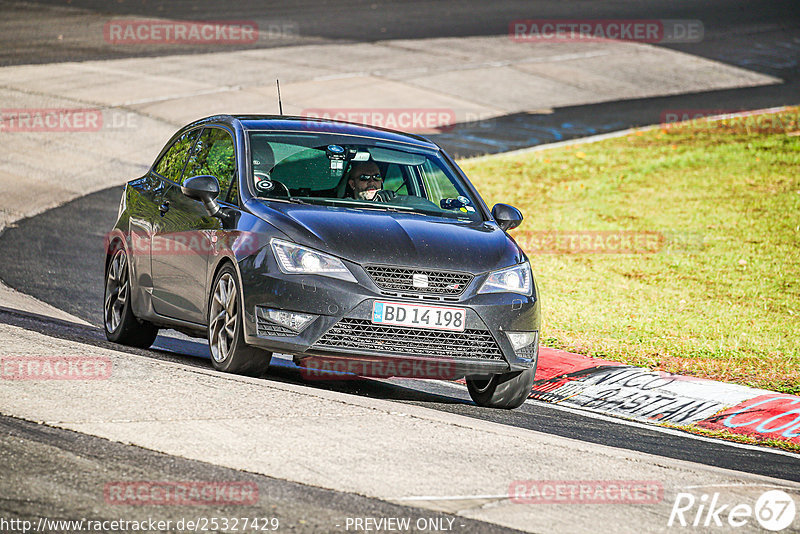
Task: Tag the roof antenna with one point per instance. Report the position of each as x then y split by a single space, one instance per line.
280 106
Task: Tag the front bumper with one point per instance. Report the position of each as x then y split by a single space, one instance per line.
343 327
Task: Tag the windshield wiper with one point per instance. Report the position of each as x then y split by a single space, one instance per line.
396 209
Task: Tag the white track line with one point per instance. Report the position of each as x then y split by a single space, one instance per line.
447 497
476 497
775 486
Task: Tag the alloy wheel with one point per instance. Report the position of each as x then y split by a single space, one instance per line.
117 290
224 316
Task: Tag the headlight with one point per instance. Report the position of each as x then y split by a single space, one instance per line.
297 259
292 320
516 279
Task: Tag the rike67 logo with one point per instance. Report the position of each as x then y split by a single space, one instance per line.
774 510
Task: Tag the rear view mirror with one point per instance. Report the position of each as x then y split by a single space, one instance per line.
507 217
204 188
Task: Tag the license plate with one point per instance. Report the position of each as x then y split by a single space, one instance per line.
419 316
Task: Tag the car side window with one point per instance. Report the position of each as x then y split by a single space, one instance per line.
213 154
437 184
171 164
393 180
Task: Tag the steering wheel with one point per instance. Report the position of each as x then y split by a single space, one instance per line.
384 195
266 184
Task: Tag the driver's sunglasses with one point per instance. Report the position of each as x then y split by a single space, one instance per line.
368 177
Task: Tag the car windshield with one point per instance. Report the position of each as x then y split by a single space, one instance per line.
357 172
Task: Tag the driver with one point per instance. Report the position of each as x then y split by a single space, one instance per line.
366 182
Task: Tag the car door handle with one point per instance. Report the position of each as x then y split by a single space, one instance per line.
164 208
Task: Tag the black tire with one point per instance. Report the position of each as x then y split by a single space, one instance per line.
229 352
506 390
119 322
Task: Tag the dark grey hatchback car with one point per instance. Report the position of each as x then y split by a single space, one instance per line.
329 241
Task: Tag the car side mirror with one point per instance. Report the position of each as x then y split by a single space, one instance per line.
204 188
507 217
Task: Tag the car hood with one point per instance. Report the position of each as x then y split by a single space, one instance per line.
394 238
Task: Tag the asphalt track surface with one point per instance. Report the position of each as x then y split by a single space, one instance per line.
732 27
57 258
78 467
758 36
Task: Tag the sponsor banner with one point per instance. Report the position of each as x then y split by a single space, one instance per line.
771 416
190 493
417 120
329 368
55 368
586 491
191 32
641 394
653 396
592 30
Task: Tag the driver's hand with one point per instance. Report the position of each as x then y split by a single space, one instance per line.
384 195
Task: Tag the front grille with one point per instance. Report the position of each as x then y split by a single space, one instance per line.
401 279
362 334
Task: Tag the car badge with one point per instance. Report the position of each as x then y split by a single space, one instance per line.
453 287
420 281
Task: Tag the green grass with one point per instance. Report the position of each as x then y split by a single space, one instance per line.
721 298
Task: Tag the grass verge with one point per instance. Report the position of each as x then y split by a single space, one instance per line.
676 249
